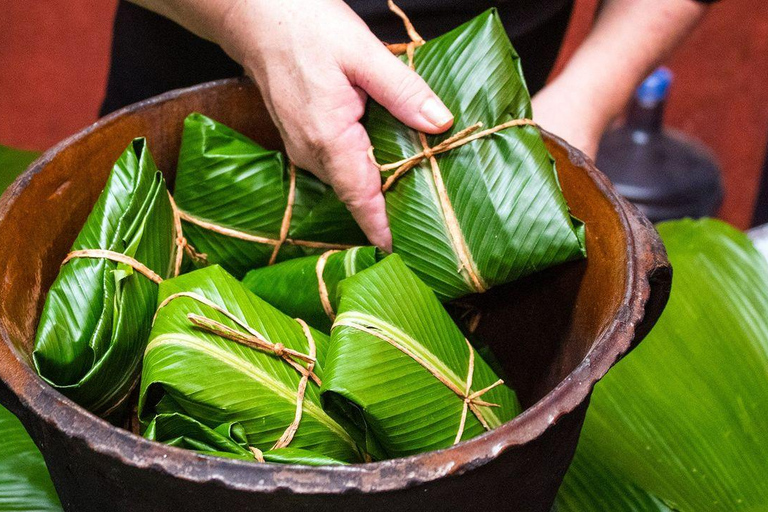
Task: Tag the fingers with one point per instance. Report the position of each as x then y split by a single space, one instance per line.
400 90
358 184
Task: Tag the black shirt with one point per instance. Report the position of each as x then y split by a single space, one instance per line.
151 54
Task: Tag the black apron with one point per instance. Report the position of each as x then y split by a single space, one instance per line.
151 54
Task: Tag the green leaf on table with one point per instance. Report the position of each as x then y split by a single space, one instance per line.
24 481
97 313
503 188
12 163
226 179
388 398
680 424
293 287
216 381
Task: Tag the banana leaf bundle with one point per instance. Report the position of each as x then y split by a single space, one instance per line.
486 207
219 355
98 312
308 287
227 440
400 372
244 206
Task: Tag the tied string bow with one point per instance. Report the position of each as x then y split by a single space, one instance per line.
471 400
251 338
467 266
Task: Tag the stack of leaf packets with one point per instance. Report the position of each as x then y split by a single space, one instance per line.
225 180
220 379
399 369
489 211
308 287
98 312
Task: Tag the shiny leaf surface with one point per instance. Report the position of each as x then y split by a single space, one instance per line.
225 178
386 396
292 286
215 380
97 313
680 424
503 188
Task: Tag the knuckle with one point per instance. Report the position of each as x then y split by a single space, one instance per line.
409 90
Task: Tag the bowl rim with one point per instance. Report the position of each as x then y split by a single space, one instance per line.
50 406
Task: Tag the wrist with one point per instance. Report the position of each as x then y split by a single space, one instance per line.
578 103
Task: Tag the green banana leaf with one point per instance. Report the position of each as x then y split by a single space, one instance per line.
503 188
24 481
227 179
293 287
388 399
215 380
97 314
682 422
12 163
226 440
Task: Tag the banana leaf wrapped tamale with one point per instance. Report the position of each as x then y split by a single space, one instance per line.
219 354
226 440
98 312
401 372
479 205
245 206
308 287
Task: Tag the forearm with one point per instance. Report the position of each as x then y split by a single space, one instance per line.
629 39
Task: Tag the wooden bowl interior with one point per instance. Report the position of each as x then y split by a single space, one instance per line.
540 327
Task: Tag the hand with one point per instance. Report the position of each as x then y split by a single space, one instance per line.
316 62
564 111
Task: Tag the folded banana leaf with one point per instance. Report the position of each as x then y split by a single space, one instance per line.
398 369
294 287
225 180
219 354
680 424
227 440
98 312
491 210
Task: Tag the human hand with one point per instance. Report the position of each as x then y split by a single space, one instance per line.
565 111
316 62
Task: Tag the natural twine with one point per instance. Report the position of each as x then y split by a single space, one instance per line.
181 243
466 262
471 400
322 288
285 225
251 338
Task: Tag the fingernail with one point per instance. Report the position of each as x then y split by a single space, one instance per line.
436 113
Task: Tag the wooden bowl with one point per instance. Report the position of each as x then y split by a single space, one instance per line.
557 332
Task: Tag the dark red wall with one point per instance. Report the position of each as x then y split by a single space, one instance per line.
54 58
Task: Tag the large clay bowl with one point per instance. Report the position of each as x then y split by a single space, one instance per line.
557 332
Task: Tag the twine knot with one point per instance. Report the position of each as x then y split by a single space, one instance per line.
251 338
470 400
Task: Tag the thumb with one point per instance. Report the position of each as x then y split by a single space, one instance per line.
400 90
